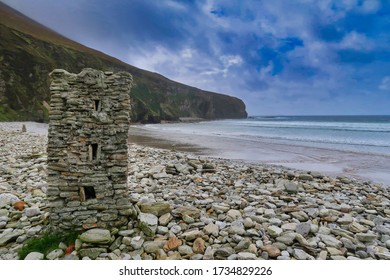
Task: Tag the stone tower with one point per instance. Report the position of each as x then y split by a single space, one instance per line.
87 149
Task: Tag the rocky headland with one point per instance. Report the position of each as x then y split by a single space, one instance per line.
191 207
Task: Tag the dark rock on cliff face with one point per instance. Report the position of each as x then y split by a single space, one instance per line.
30 51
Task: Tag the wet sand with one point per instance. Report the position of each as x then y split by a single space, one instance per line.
361 166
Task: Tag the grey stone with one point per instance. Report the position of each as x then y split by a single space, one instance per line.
246 256
71 257
348 244
303 228
366 237
338 258
196 257
185 250
291 187
35 256
333 251
4 213
155 208
148 219
162 230
331 241
165 219
362 254
91 253
274 231
188 219
220 208
148 223
116 244
127 232
137 242
243 244
175 229
302 255
34 231
62 246
153 246
192 235
233 215
126 240
236 230
248 223
55 254
209 253
289 226
305 177
275 221
32 211
346 219
383 256
211 229
356 227
77 244
8 236
186 210
287 238
300 216
224 252
96 236
157 169
7 199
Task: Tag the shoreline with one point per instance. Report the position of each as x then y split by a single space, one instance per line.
335 163
203 208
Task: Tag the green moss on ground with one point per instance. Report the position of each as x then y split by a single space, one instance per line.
47 243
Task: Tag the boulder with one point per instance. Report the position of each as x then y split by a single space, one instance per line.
148 223
7 199
96 236
34 256
92 253
156 208
291 187
8 236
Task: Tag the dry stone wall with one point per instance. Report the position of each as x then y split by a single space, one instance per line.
87 149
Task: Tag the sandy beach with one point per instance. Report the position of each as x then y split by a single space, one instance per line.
189 206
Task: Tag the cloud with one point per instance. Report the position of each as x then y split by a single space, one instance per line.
279 56
385 84
355 41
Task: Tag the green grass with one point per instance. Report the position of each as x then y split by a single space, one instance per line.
47 243
6 114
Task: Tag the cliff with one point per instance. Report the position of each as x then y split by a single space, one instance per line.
29 51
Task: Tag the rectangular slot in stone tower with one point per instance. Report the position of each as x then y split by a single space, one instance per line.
94 149
87 193
97 105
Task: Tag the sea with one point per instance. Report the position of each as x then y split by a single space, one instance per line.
362 134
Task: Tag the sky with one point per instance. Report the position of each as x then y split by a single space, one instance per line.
281 57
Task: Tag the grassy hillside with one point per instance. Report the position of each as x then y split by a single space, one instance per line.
30 51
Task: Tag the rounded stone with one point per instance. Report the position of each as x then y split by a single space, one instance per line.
32 211
272 251
96 235
185 250
34 256
55 254
7 199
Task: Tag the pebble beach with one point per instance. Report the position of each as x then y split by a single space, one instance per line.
187 206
